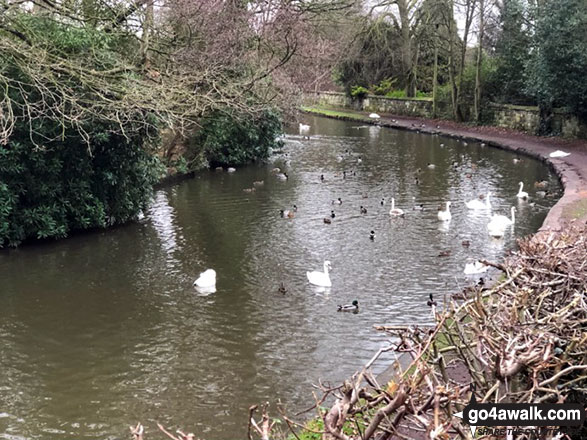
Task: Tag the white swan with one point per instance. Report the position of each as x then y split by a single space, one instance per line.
496 230
522 194
503 220
206 279
374 116
304 128
478 204
445 215
318 278
559 153
476 267
395 212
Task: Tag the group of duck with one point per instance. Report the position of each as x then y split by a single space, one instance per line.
496 228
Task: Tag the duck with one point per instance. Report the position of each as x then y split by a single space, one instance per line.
295 208
382 201
475 267
249 190
332 214
337 201
286 213
322 177
359 160
431 166
445 215
541 193
419 207
444 253
395 212
275 170
206 279
541 184
327 220
431 301
363 210
466 243
231 170
282 176
321 279
522 194
258 182
282 289
441 145
353 307
478 204
372 235
516 160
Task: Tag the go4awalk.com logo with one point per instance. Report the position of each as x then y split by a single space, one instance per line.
507 419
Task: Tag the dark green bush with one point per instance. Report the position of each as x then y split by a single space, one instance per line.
359 92
230 139
49 190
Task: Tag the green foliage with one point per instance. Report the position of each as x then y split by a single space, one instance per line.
229 139
402 94
385 86
49 190
59 174
359 92
559 64
512 52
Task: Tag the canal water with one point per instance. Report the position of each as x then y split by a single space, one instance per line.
105 329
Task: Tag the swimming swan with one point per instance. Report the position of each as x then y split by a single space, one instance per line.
206 279
478 204
522 194
318 278
503 220
395 212
476 267
374 116
445 215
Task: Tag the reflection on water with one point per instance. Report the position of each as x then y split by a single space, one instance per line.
105 329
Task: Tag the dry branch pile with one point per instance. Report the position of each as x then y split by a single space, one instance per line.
522 341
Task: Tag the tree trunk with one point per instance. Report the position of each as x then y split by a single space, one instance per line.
469 11
147 29
451 60
407 59
477 102
435 79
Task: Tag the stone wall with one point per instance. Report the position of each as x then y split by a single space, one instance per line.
372 103
520 118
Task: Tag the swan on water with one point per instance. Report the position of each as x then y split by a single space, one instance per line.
478 204
304 128
522 194
503 220
321 279
476 267
444 215
374 116
206 279
395 212
231 170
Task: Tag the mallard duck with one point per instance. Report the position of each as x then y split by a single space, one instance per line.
337 201
372 235
466 243
327 220
431 166
516 160
282 288
444 253
332 214
363 210
431 302
286 213
353 307
541 184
